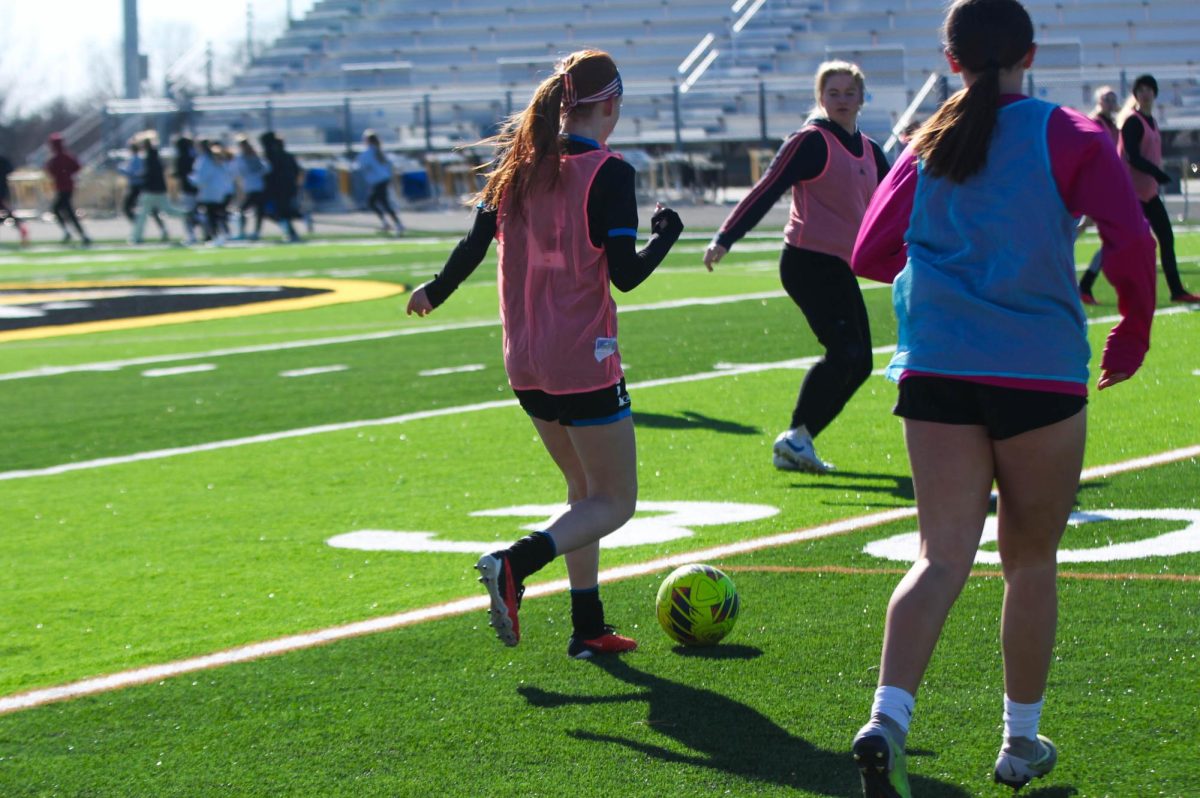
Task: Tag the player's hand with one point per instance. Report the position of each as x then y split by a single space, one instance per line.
419 303
713 254
1110 378
665 222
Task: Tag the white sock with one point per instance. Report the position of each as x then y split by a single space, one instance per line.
800 434
895 703
1021 720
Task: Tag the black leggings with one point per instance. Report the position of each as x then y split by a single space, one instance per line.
378 202
826 291
65 212
253 199
1160 224
214 219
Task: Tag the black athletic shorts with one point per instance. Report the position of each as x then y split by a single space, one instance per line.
589 409
1005 412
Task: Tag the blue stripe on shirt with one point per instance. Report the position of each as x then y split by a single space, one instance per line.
623 231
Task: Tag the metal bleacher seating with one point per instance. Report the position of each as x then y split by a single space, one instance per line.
432 74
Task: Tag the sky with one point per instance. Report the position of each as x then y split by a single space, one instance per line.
73 48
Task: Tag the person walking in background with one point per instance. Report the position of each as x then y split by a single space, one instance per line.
376 169
134 170
224 159
250 171
976 227
280 184
563 208
211 182
831 170
62 168
1141 147
153 199
185 160
1104 115
6 213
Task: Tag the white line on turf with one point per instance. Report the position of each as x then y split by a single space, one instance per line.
175 371
115 365
268 437
309 372
283 645
720 370
451 370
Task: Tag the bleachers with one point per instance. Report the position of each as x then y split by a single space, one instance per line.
448 49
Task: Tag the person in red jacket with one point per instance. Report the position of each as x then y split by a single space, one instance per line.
62 167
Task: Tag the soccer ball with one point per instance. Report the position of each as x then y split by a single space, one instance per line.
697 605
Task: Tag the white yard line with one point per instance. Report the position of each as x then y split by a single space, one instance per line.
177 370
721 370
424 329
321 429
115 365
451 370
283 645
310 372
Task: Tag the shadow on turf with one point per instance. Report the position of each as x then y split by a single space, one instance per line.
722 734
688 419
841 481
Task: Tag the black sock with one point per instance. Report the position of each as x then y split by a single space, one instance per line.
530 554
587 613
1087 281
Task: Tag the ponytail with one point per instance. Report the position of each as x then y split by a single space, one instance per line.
954 142
984 37
529 152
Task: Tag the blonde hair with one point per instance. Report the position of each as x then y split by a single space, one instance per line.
828 69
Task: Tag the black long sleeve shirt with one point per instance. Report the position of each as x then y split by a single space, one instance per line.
612 220
802 157
1132 134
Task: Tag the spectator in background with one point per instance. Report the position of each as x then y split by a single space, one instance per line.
185 160
280 184
376 169
62 168
250 171
153 199
6 169
211 182
134 170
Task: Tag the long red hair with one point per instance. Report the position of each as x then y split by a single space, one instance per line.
529 153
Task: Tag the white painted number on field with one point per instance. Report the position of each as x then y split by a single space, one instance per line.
655 522
1181 541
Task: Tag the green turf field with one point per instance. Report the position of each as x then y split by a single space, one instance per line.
171 492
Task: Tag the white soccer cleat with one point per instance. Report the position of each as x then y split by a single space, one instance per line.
794 451
1021 760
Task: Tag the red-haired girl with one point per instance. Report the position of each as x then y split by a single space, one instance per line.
563 209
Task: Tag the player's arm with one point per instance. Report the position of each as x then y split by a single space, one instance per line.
802 157
879 250
1092 180
464 259
613 217
1132 133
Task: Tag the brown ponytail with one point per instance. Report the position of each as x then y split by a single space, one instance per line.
984 37
528 149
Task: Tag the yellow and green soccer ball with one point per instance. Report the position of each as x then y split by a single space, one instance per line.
697 605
